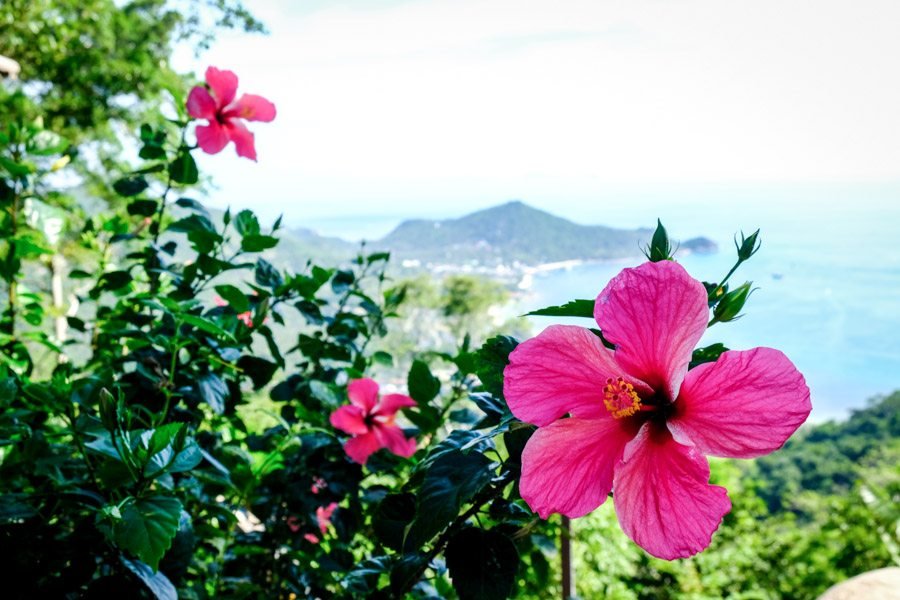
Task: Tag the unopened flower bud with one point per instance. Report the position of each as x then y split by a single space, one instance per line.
659 249
748 246
732 303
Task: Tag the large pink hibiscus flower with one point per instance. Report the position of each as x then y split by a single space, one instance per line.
224 114
639 422
371 422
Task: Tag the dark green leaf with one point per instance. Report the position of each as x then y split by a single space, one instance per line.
267 275
707 354
234 297
574 308
258 369
423 386
482 564
143 208
258 243
183 169
393 517
205 325
246 223
130 186
158 584
145 527
450 481
492 359
213 391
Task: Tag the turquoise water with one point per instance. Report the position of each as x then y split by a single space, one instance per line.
828 272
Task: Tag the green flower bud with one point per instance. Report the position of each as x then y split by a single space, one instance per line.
659 248
748 246
732 303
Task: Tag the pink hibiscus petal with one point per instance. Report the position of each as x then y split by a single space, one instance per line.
567 466
224 85
211 138
393 438
561 370
242 138
361 447
252 108
349 419
654 314
200 104
663 498
323 516
363 393
391 403
744 405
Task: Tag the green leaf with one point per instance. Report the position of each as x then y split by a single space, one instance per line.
482 564
144 527
574 308
213 391
205 325
143 208
183 169
450 481
394 515
16 169
267 275
491 360
114 280
191 204
158 584
193 223
707 354
246 223
423 386
342 281
257 243
130 186
258 369
162 436
234 297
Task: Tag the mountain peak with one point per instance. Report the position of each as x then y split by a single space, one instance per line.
507 233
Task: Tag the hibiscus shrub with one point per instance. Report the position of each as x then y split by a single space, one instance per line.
210 425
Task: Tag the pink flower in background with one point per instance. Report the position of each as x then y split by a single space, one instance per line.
245 317
639 422
293 523
318 485
323 516
216 103
311 538
370 421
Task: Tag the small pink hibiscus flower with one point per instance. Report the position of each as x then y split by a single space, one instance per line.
371 422
318 485
216 103
639 422
323 516
245 317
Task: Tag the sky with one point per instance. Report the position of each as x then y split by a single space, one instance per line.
390 109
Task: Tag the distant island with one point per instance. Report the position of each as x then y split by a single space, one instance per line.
505 240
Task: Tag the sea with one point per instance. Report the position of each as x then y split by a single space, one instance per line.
827 275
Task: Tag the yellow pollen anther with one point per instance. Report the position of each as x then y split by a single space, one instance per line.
620 398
